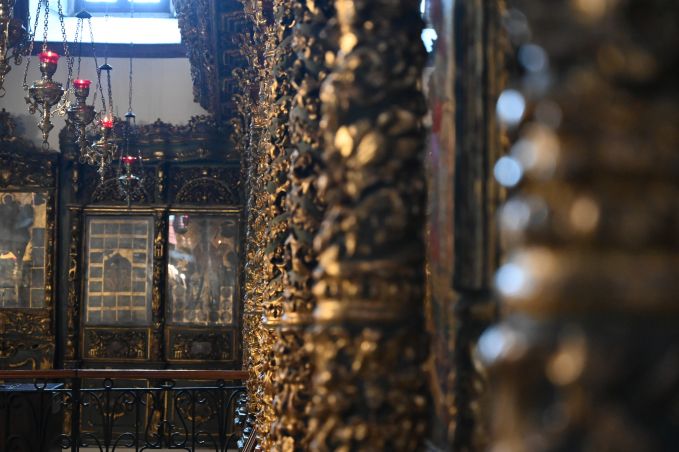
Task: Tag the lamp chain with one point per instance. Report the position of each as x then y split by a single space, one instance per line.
32 33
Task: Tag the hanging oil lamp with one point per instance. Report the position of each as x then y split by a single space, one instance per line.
103 150
131 164
45 94
80 114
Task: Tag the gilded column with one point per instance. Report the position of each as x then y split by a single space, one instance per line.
254 104
310 42
369 389
587 358
72 349
158 298
277 147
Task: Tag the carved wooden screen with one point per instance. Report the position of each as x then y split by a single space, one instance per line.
117 285
27 227
127 303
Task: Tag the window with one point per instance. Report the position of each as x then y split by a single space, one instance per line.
147 27
96 7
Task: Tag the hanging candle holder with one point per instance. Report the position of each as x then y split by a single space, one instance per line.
46 94
81 115
130 164
102 151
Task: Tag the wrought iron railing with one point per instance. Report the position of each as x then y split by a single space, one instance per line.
109 410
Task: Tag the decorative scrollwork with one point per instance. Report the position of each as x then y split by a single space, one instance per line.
22 165
158 292
207 28
10 141
116 344
310 42
257 340
205 186
109 191
190 345
207 190
73 291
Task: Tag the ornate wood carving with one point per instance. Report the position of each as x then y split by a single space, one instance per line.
196 25
203 346
369 389
109 192
201 138
116 344
310 42
22 165
276 260
10 139
205 186
25 323
74 281
27 335
209 29
258 51
159 287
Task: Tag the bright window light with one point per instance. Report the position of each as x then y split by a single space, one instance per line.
123 6
116 28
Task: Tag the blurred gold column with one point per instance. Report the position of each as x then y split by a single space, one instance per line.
368 340
588 356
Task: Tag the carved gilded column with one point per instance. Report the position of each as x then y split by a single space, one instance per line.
72 352
255 105
158 298
369 390
276 260
305 207
587 358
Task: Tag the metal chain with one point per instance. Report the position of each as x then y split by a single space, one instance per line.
32 41
69 59
45 25
110 93
79 29
129 108
99 88
129 97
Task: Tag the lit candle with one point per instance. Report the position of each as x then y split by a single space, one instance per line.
82 84
49 57
128 159
107 123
